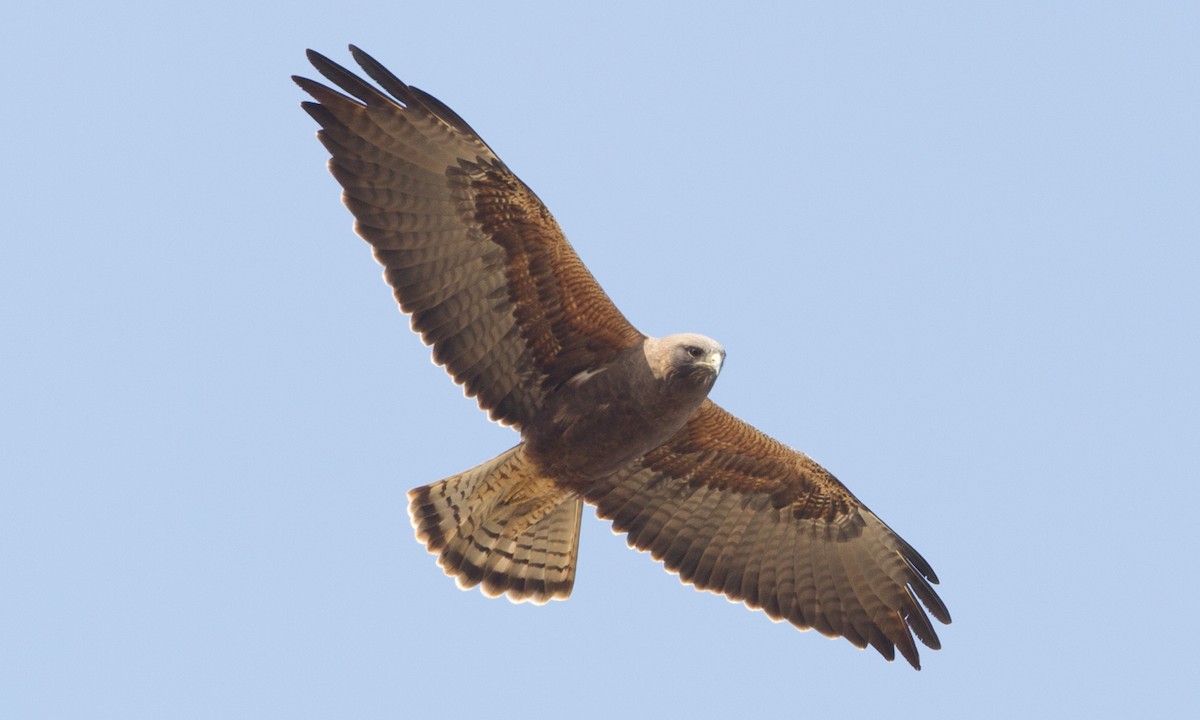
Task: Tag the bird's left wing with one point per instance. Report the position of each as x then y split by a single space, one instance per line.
735 512
469 250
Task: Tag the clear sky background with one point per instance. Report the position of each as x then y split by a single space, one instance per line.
952 249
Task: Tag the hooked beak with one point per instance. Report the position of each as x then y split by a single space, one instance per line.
714 360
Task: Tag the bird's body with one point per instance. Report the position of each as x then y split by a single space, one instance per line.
606 415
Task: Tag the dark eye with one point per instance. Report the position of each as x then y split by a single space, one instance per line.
694 351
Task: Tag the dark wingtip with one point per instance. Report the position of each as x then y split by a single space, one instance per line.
362 57
380 74
323 64
315 57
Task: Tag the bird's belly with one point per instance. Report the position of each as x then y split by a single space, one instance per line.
591 442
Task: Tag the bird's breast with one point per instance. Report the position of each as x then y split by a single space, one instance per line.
592 428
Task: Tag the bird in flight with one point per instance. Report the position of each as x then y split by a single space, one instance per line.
607 416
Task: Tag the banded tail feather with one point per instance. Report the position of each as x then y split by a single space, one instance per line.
497 526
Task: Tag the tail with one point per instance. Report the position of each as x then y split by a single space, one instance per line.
502 525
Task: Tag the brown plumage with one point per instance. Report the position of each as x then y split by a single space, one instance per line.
606 414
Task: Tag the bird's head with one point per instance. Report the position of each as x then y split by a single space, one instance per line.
687 358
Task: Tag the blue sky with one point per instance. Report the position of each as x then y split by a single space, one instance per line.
951 250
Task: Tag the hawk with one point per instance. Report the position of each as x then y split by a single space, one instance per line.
606 415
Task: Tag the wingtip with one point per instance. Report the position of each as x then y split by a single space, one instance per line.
361 57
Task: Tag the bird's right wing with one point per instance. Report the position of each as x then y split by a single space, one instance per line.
736 512
471 253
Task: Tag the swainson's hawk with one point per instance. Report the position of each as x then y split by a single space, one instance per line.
606 415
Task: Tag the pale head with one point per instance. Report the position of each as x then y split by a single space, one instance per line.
687 357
